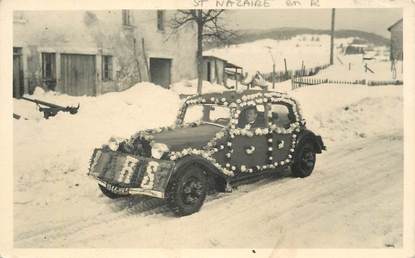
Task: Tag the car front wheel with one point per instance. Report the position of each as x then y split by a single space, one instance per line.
187 191
304 160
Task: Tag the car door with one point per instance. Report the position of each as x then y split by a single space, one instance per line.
281 119
249 147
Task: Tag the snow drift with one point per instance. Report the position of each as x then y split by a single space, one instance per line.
347 112
45 149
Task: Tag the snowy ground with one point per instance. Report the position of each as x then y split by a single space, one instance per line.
312 51
353 199
259 55
357 71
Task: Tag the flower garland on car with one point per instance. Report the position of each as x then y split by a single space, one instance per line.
213 146
250 100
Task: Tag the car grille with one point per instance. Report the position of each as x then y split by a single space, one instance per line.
116 168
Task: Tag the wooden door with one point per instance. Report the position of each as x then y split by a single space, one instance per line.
78 74
17 73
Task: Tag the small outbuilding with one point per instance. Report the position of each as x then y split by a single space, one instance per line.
218 70
396 43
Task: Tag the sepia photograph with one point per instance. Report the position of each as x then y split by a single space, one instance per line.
208 128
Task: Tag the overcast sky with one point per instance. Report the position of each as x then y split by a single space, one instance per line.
370 20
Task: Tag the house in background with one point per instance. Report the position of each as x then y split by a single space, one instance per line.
217 70
94 52
396 47
356 47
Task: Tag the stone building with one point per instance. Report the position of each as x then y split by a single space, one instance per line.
94 52
396 30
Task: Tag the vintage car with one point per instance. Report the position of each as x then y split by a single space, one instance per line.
218 140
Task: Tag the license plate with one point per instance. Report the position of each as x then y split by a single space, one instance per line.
116 189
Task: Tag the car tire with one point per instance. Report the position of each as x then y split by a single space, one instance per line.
187 191
304 159
109 194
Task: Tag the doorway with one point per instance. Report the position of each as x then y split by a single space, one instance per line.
18 88
160 71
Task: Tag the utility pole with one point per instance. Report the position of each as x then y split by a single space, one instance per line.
273 67
333 13
273 76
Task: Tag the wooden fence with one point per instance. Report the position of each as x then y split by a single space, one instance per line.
299 82
281 76
382 83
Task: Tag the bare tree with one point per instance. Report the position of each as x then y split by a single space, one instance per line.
210 28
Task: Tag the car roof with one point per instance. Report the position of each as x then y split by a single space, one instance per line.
231 96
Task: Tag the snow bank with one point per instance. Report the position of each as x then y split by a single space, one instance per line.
345 113
46 150
189 87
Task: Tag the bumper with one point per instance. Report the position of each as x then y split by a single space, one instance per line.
130 191
320 143
126 174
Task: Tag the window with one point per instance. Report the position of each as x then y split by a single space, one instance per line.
49 70
160 20
126 17
106 68
218 115
252 117
17 51
281 115
48 65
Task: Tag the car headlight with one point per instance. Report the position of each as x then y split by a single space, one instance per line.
114 143
158 149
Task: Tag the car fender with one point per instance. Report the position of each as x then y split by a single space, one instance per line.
307 135
194 160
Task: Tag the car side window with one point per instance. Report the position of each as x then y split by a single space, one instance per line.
281 115
252 117
208 113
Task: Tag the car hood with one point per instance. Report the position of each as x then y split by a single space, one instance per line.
188 137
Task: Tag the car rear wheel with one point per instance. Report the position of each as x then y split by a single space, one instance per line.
108 193
187 191
304 160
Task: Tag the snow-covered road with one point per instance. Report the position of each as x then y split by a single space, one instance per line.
353 199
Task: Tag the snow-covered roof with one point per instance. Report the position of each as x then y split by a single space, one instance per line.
359 45
214 57
227 63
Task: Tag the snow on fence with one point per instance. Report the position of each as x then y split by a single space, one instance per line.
381 83
280 76
299 82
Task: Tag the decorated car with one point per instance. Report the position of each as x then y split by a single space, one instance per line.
217 141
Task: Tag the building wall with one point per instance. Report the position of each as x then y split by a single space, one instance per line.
217 68
102 33
397 41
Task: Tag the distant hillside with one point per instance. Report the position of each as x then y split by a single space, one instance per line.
287 33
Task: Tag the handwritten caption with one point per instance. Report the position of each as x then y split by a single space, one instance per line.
254 3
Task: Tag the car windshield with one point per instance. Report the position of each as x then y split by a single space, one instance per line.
208 114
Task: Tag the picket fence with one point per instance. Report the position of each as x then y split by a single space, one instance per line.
298 82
